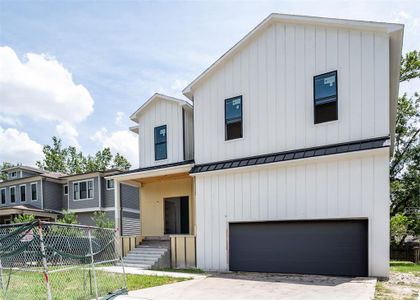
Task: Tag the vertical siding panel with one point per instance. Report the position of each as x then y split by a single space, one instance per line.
208 225
246 98
263 194
300 79
253 127
238 197
321 193
300 186
281 196
331 65
311 196
290 87
291 192
332 193
255 205
222 221
355 83
367 185
272 196
320 67
271 90
309 73
230 197
236 80
381 85
368 95
281 86
355 183
343 187
246 187
214 222
260 106
344 85
201 221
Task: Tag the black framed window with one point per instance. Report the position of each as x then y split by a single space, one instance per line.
161 151
233 118
3 196
66 189
22 193
110 184
325 97
34 193
13 194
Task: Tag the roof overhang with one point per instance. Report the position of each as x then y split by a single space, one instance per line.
6 211
154 98
134 176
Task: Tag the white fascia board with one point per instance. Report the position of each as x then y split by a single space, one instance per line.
152 173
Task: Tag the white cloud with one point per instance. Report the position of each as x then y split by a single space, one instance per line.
40 88
68 134
119 118
20 147
122 141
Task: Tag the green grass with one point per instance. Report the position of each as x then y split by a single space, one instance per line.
76 284
405 267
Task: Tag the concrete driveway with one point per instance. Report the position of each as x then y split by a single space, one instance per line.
261 286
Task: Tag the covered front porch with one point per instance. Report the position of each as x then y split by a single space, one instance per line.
167 211
8 214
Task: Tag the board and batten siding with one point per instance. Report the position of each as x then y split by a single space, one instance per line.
188 134
161 112
274 74
338 187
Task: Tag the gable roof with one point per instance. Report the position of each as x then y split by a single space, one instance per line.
27 168
156 97
395 32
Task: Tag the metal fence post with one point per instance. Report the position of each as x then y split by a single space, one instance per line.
92 263
44 261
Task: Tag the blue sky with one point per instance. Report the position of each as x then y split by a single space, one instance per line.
122 52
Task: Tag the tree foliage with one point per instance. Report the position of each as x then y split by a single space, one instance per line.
71 161
101 220
68 218
405 162
23 219
399 229
5 165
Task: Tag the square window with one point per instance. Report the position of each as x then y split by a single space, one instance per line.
325 97
233 118
110 184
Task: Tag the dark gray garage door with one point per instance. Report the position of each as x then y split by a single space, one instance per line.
303 247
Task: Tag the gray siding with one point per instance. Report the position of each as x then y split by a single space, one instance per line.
24 174
86 218
129 196
28 194
90 203
53 198
108 195
130 223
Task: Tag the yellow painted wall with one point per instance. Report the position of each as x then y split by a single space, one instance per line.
151 203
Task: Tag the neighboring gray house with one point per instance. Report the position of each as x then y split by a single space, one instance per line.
45 194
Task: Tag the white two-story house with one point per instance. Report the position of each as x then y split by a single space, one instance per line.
282 165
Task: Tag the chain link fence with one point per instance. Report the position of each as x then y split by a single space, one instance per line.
44 260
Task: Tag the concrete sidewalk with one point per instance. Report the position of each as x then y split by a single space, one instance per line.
253 286
131 270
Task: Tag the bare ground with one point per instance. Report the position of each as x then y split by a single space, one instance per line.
400 286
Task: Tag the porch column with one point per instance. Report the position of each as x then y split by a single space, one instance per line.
117 217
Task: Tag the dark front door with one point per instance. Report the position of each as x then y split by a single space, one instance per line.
303 247
177 219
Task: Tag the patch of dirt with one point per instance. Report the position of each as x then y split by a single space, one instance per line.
400 286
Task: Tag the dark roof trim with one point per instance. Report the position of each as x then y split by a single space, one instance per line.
185 162
293 155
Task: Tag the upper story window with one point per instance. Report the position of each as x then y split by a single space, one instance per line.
161 142
110 184
233 118
66 189
325 97
3 196
34 191
83 190
13 174
22 193
13 194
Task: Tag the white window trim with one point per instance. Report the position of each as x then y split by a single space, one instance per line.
26 193
64 189
5 196
10 194
11 174
87 190
36 187
106 184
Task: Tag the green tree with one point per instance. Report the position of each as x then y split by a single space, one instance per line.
23 219
68 218
399 229
405 162
71 161
101 220
5 165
